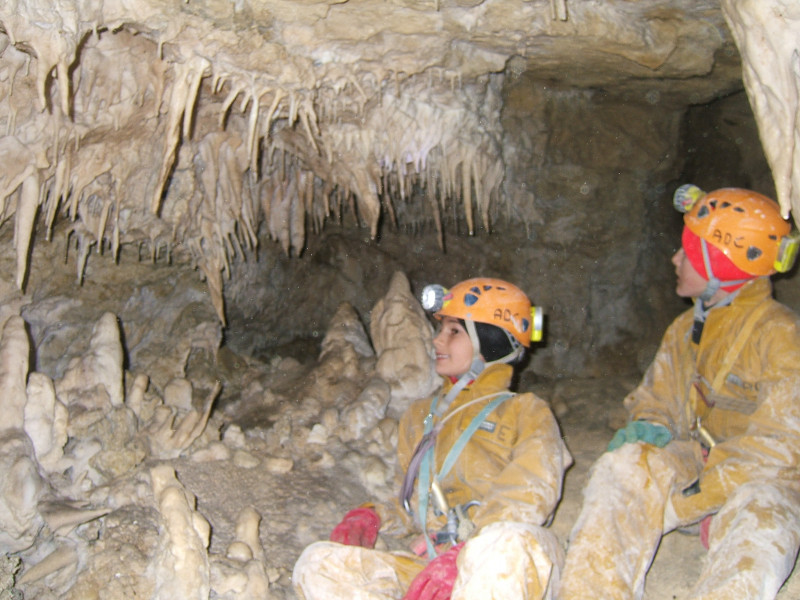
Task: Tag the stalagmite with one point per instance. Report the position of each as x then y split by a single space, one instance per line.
14 352
45 421
135 399
247 525
402 337
21 485
241 575
60 558
101 366
63 517
172 430
182 568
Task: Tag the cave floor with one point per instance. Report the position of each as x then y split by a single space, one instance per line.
303 506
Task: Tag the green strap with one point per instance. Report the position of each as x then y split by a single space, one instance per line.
423 490
462 440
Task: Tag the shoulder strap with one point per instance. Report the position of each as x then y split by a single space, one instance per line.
737 345
465 436
424 480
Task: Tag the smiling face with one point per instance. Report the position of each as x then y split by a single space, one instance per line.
453 348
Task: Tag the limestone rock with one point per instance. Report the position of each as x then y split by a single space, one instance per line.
403 339
182 567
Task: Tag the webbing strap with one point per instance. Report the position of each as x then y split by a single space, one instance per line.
695 394
462 440
736 346
714 283
424 481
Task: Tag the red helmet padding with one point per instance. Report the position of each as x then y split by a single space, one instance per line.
723 267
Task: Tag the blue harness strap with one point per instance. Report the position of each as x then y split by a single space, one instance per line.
424 481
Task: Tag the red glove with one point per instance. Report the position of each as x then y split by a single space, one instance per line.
435 581
704 525
358 528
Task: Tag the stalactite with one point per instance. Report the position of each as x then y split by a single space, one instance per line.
279 95
229 100
84 246
280 207
115 234
304 118
466 192
367 152
297 224
60 189
481 198
559 9
248 212
213 274
27 206
252 130
18 164
184 95
101 226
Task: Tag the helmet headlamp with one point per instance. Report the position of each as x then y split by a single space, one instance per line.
787 252
686 196
432 298
537 319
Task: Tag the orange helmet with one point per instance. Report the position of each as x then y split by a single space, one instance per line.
744 225
485 300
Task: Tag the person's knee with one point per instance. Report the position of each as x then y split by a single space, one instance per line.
499 547
760 506
310 560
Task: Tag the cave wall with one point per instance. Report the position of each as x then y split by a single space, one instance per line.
223 139
597 171
599 166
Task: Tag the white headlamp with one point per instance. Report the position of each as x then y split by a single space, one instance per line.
432 298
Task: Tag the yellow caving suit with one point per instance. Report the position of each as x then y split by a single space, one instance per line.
750 481
513 465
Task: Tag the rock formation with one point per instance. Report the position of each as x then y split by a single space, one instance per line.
176 138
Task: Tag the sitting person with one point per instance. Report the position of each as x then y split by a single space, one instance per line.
714 426
483 471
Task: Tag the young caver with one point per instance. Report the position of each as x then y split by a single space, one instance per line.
482 472
714 427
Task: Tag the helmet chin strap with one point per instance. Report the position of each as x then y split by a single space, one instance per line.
712 287
714 283
478 364
475 369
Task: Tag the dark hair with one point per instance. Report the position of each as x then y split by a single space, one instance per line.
494 342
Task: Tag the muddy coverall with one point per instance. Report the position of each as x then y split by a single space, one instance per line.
513 465
735 396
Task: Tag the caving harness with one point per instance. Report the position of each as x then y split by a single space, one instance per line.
488 301
704 397
458 526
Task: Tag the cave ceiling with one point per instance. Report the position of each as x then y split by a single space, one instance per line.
186 127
